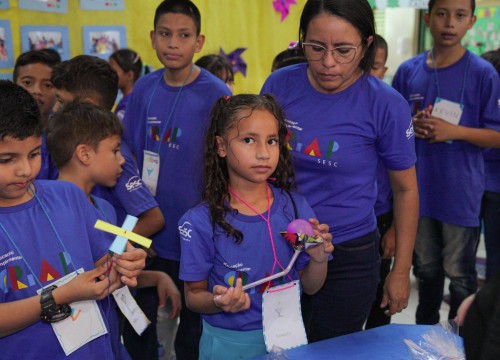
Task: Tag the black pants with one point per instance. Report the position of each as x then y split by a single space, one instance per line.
377 317
145 347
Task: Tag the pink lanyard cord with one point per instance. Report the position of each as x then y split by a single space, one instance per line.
267 221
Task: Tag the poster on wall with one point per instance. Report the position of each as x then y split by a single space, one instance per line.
417 4
6 52
4 4
58 6
46 37
102 5
102 41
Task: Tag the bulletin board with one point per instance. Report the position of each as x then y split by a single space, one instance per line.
263 28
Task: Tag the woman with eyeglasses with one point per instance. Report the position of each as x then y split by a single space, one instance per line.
342 121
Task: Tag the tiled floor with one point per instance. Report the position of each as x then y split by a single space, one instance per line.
408 315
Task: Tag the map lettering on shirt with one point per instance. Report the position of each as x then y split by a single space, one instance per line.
14 277
323 151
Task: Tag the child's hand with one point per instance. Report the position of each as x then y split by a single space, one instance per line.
85 287
167 290
463 309
129 264
320 252
233 299
421 124
439 130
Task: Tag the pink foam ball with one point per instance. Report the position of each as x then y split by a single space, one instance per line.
300 226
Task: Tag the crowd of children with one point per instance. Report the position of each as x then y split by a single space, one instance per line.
388 176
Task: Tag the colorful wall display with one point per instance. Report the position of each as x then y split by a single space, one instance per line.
258 26
57 6
46 37
102 41
6 49
110 5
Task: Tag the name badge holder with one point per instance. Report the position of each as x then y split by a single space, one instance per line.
282 318
84 325
151 170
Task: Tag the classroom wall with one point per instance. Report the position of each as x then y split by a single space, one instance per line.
229 24
232 24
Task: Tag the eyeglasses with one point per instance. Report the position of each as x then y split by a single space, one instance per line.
341 54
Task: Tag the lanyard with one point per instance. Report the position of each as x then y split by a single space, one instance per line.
437 80
165 126
267 221
53 228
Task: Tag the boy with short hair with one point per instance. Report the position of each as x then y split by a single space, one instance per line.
33 71
167 116
379 69
47 232
463 117
88 78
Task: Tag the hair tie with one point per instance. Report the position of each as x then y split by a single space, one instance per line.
136 59
293 45
227 97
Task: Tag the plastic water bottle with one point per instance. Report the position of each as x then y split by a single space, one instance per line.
165 330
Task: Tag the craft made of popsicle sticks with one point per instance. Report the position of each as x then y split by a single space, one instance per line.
123 234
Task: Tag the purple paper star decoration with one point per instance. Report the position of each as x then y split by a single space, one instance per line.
236 61
283 7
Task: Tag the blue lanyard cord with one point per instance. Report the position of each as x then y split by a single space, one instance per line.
20 253
437 80
52 225
165 126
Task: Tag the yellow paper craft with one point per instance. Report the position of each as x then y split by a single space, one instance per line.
138 239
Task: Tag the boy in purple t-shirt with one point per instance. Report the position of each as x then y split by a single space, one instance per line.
165 124
454 98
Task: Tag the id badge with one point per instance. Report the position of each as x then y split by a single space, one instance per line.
151 170
282 317
131 310
84 325
447 110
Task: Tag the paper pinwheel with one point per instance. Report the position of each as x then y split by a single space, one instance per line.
283 7
301 241
236 61
123 234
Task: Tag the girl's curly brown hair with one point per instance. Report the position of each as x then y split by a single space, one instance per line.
225 114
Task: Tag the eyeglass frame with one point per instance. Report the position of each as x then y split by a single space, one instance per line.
326 50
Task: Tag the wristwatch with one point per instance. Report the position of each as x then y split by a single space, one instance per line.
52 312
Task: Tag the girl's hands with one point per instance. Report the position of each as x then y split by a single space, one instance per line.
320 253
232 299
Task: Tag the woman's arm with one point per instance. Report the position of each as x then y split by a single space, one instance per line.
397 283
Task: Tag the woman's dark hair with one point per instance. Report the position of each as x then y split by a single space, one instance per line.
226 114
357 12
128 60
